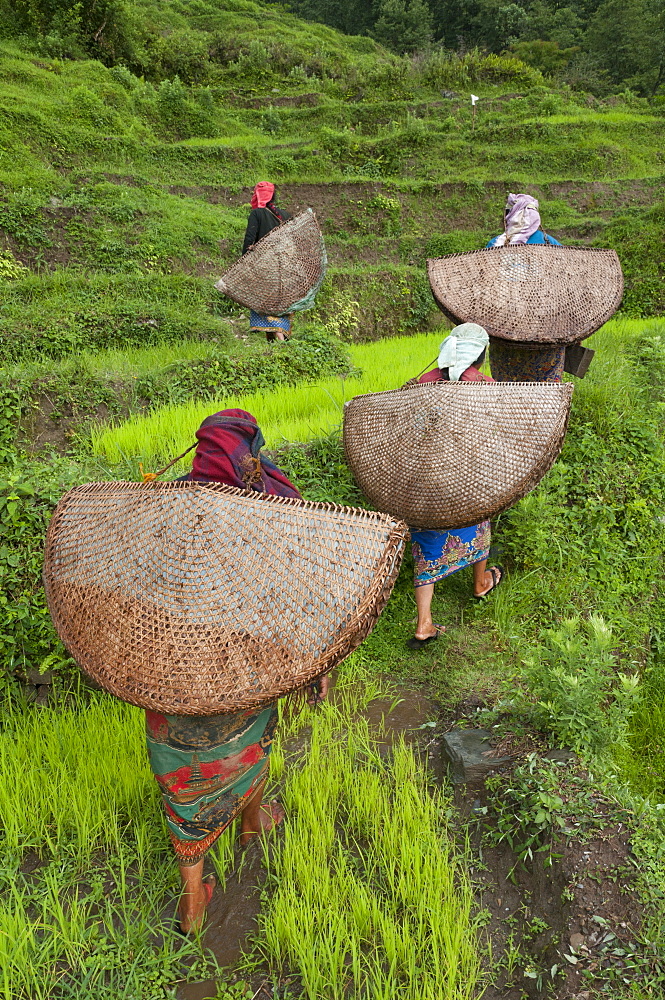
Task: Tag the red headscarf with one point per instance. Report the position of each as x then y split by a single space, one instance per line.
229 452
263 193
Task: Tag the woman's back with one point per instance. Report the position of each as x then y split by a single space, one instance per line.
261 222
539 237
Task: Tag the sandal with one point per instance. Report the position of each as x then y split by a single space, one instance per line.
416 643
493 571
209 888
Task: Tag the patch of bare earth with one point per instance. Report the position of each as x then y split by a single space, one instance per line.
569 927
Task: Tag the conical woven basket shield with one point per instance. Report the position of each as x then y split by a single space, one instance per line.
197 599
450 454
543 294
282 271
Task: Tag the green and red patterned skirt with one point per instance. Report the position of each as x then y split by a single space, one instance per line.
207 768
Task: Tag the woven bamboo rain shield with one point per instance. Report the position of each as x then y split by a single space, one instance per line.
196 599
450 454
280 271
542 294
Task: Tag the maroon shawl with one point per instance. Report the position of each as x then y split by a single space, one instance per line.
229 452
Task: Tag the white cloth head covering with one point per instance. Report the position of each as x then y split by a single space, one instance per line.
522 219
461 348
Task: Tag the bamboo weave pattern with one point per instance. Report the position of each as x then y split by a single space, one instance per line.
197 599
451 454
280 271
542 294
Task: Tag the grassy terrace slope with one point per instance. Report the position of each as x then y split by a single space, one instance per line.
126 196
124 188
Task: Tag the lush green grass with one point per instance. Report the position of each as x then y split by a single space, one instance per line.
294 414
642 760
77 797
84 920
369 897
314 410
125 197
107 175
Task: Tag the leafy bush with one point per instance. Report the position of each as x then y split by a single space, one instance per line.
581 697
179 116
545 56
69 29
639 240
527 810
10 267
27 636
308 357
447 69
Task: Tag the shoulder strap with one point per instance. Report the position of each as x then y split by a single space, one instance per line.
274 215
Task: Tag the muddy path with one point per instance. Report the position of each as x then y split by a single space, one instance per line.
568 930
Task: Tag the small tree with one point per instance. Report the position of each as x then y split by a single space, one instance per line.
404 25
545 56
627 38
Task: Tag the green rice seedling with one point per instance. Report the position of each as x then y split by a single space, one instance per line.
107 778
223 854
369 898
297 413
307 411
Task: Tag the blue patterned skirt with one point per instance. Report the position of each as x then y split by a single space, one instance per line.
437 554
267 323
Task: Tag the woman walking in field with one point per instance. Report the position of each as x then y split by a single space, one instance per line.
525 361
440 553
263 218
211 769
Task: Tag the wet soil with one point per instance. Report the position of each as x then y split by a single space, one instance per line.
233 912
568 931
570 927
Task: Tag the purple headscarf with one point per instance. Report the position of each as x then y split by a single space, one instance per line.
522 219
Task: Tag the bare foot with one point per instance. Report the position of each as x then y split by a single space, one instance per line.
267 817
193 906
492 579
429 631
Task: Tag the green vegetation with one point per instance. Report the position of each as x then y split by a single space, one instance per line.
287 414
576 42
130 138
81 918
370 898
85 870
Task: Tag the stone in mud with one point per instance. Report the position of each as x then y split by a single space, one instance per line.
466 753
43 695
560 756
33 676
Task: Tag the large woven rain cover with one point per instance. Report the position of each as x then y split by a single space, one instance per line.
546 294
450 454
282 271
196 599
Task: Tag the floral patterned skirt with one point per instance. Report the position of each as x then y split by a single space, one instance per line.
269 323
437 554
